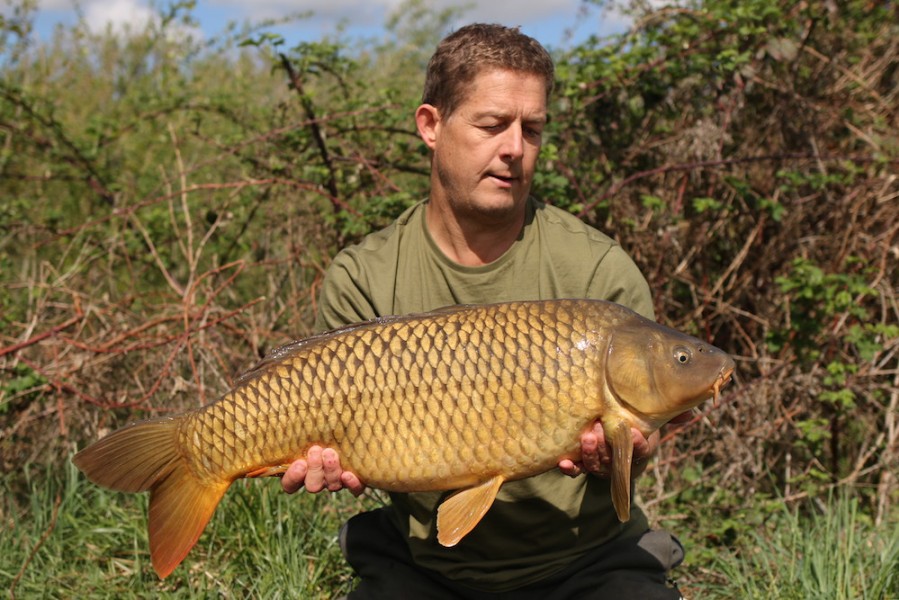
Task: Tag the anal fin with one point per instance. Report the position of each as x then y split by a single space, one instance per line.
459 513
622 457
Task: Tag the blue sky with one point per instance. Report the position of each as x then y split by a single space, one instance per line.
555 23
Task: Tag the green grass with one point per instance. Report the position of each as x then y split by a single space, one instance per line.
834 553
64 537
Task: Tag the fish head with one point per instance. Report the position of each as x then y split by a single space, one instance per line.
657 373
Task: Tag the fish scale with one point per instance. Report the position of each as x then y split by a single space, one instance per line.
502 376
463 399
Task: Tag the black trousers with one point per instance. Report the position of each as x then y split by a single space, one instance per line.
622 569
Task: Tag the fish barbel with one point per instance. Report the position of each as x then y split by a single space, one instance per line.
463 398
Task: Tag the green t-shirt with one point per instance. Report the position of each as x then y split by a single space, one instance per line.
537 526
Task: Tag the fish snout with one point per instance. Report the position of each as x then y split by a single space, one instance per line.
724 375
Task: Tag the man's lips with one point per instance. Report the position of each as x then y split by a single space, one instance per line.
503 179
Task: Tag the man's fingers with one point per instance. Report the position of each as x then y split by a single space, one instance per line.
319 470
352 483
645 447
569 467
604 450
294 476
331 469
315 473
596 454
590 453
641 446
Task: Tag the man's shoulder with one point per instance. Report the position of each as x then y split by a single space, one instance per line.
359 283
558 221
382 244
565 234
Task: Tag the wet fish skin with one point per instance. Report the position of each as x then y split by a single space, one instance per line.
461 398
410 403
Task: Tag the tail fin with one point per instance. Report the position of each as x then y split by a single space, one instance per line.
146 456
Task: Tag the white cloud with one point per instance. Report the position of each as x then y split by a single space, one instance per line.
518 13
553 22
121 16
333 10
55 4
362 11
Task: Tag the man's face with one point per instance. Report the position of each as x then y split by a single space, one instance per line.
485 152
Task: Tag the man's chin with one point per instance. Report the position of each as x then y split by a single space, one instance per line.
497 206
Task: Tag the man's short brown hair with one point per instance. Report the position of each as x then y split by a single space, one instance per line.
476 48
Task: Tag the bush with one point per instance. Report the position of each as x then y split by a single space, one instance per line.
745 153
169 205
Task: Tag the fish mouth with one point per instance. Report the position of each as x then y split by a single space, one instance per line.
722 380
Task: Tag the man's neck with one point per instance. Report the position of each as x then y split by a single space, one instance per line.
469 240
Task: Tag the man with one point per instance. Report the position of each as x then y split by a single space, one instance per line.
480 238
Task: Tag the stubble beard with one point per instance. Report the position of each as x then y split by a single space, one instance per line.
468 208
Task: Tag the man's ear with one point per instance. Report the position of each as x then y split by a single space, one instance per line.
427 118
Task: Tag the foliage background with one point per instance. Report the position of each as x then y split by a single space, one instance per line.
168 206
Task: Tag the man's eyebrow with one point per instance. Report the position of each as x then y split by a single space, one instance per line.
498 114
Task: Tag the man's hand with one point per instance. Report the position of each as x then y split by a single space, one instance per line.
320 470
596 454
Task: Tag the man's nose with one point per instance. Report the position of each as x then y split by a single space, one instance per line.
513 142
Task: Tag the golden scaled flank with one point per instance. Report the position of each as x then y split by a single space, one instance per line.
462 398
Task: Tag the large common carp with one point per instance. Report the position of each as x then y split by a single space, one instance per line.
462 398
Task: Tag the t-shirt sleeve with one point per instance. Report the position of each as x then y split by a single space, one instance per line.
344 298
618 279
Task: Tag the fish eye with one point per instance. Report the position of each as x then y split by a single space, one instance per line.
683 355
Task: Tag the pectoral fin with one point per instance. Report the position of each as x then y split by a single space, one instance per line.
622 456
275 471
459 513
